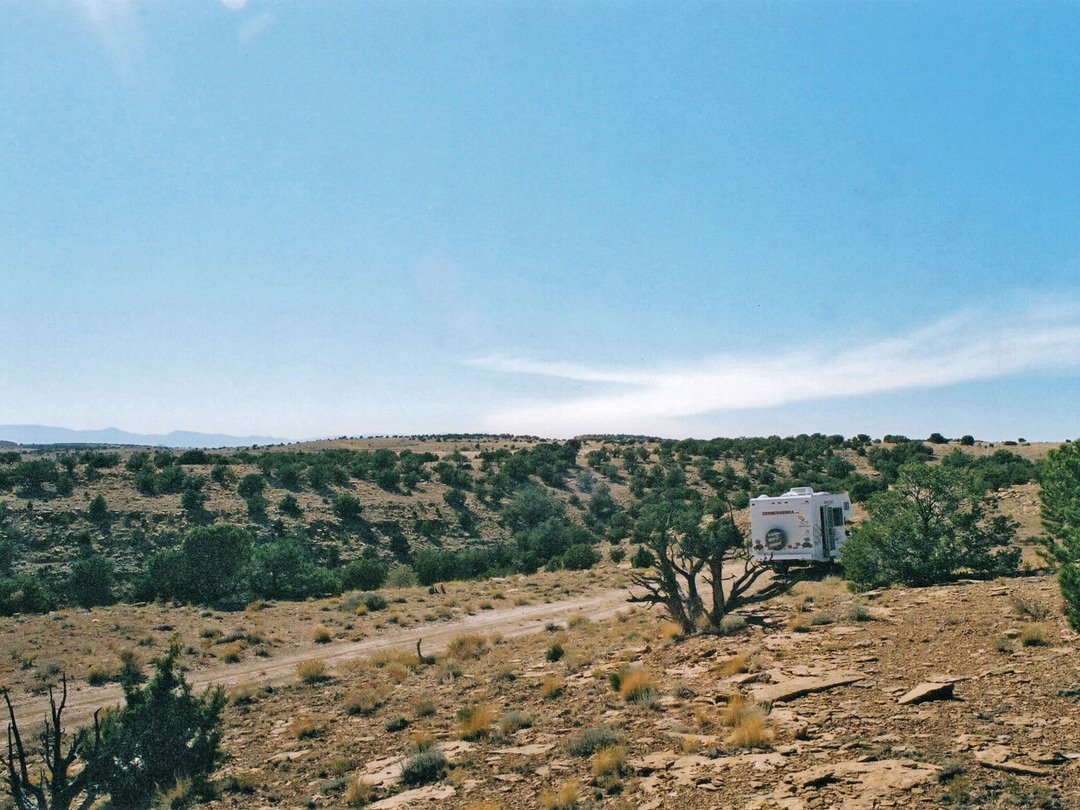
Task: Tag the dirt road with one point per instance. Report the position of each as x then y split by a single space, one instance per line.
84 700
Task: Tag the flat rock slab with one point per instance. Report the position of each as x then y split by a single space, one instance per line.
999 758
430 793
526 750
797 687
870 783
928 691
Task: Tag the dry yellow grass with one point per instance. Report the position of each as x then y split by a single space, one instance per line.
304 728
564 798
467 646
312 671
609 761
321 634
475 723
636 684
736 664
551 687
748 721
358 792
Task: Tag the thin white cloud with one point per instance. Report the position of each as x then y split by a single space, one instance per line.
967 347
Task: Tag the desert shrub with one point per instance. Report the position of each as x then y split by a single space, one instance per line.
642 558
580 557
554 653
617 555
305 728
364 575
397 722
424 765
375 601
514 720
1032 634
551 687
321 634
588 742
91 581
748 722
732 624
312 671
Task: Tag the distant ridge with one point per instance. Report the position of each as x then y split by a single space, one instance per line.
42 434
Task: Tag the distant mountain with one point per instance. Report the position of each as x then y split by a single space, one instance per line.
41 434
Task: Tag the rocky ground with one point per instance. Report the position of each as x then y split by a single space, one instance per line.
966 695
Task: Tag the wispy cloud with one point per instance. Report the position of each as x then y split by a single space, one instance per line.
967 347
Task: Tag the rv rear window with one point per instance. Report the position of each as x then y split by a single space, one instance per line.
837 515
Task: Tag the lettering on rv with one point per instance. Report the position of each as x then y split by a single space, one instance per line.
781 512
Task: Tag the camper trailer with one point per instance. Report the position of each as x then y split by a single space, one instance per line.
800 526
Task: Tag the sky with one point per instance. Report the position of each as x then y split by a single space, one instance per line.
311 219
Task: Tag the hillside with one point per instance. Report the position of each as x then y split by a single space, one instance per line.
481 496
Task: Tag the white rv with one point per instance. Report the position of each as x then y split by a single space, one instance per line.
800 526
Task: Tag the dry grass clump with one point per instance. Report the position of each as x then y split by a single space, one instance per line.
321 634
736 664
305 728
638 686
424 708
399 658
243 694
608 762
232 652
467 646
358 792
1030 609
474 722
551 687
564 798
365 701
1032 634
748 722
672 631
312 671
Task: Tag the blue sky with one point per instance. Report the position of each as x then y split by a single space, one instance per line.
309 219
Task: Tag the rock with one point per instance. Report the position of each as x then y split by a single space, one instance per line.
526 750
997 757
412 797
287 756
930 690
797 687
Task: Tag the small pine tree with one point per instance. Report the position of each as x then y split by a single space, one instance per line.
1060 495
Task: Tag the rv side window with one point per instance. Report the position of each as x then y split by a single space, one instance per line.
837 516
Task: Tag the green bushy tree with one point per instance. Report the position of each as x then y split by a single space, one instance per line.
163 734
1060 496
935 522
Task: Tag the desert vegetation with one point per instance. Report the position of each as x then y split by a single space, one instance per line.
302 553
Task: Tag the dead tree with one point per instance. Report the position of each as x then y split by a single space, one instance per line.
54 788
